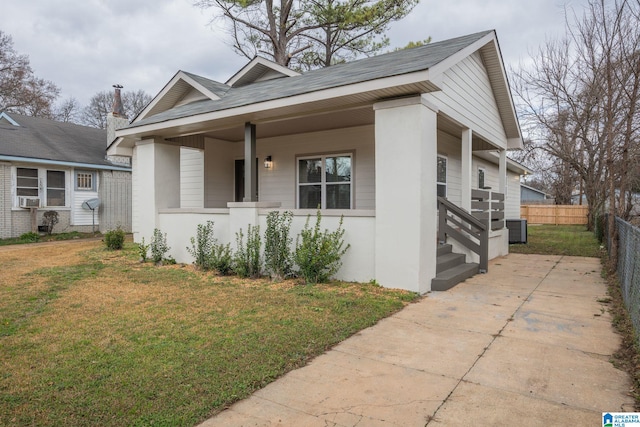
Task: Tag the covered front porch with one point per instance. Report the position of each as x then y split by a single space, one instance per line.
375 165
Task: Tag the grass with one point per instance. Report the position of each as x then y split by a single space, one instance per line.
28 238
571 240
109 341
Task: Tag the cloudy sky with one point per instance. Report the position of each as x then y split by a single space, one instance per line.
86 46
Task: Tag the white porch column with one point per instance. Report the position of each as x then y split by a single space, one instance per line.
156 184
467 172
406 224
502 172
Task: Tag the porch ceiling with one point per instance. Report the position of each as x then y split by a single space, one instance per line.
357 116
449 126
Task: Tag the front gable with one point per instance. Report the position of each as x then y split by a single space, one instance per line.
184 88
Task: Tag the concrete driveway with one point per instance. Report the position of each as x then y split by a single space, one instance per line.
527 344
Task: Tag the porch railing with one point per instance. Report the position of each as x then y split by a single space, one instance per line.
488 206
465 228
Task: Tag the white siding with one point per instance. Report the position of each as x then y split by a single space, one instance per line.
449 146
79 215
191 178
219 167
278 184
512 202
135 193
467 97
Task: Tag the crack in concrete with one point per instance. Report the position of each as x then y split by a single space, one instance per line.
495 337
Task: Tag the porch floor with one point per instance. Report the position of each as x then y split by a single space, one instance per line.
528 342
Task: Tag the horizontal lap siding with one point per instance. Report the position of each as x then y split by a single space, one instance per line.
512 208
449 146
219 167
467 96
278 184
191 178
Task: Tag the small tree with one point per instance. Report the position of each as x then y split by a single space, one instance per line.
318 254
49 220
278 259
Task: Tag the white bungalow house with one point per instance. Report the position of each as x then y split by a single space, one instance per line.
375 140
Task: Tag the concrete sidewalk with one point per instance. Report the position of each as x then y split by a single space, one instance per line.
527 344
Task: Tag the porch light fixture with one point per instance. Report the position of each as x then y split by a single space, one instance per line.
267 162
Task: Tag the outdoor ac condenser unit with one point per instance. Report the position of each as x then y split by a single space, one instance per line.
29 202
517 230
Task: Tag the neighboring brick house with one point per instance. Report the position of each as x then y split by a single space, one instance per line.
57 166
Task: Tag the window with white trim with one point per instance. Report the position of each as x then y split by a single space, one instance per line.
27 182
55 188
85 181
441 176
325 181
48 185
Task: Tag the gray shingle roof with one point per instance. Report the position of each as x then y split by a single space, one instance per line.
38 138
377 67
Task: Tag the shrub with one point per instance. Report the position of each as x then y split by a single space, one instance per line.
143 251
202 246
278 259
246 260
114 239
49 219
221 259
29 237
318 253
159 247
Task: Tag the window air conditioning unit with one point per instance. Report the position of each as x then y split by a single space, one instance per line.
29 202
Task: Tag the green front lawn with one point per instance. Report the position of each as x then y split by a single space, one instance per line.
573 240
109 341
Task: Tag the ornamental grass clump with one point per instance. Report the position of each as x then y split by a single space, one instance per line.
318 254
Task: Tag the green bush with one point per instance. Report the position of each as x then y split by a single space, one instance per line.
318 253
246 260
29 237
221 259
114 239
159 247
278 259
202 246
143 251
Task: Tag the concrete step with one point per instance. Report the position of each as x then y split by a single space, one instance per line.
443 249
451 277
447 261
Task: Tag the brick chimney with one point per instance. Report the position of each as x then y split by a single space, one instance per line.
117 118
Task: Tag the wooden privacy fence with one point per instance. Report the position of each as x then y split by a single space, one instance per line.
554 214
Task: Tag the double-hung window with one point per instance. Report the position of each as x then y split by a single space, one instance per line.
27 182
55 188
441 176
325 182
49 185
